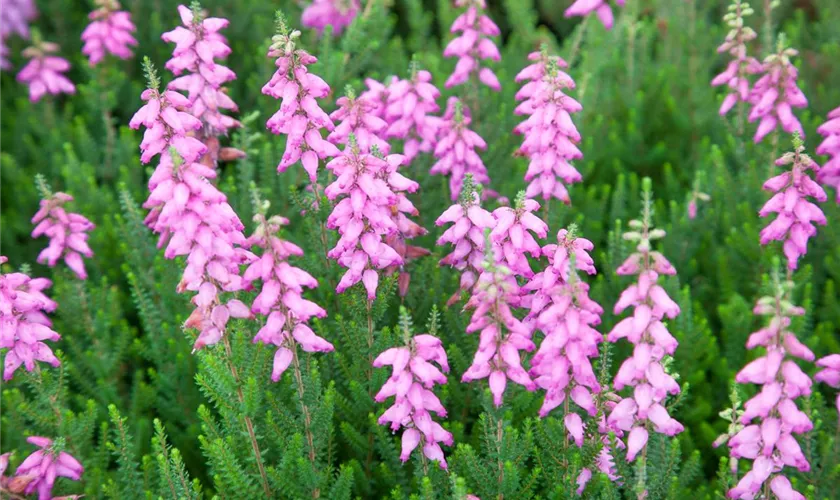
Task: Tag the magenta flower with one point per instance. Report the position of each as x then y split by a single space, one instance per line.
472 44
68 234
281 298
300 117
23 322
109 32
336 13
601 8
794 224
15 17
770 441
44 72
830 373
502 335
735 74
469 222
776 93
40 469
550 135
511 236
456 149
829 174
377 94
410 102
197 44
406 228
357 117
412 379
645 370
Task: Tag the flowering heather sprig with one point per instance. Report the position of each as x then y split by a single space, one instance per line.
281 298
775 93
735 74
357 117
796 213
829 174
830 374
455 149
645 369
601 8
466 234
15 16
410 102
197 43
769 442
67 231
336 13
368 187
44 72
550 135
23 322
511 235
38 472
411 382
109 32
472 44
299 117
502 335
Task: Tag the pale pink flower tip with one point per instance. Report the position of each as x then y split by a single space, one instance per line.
40 469
601 8
44 73
472 45
109 32
67 231
336 13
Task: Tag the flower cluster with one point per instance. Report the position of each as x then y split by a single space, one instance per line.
829 174
601 8
455 149
281 297
645 329
197 43
336 13
469 222
367 185
472 44
770 442
23 322
412 379
14 19
44 73
109 32
735 74
794 224
191 215
357 117
410 103
550 135
511 235
378 94
830 373
68 234
406 230
502 335
775 94
299 116
38 472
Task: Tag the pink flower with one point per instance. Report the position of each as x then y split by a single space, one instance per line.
455 149
830 373
473 44
23 322
109 32
358 118
511 235
44 72
336 13
300 117
550 136
735 74
410 102
794 224
829 174
42 467
601 8
775 94
15 17
68 234
378 94
413 376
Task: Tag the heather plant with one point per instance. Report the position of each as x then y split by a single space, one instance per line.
413 314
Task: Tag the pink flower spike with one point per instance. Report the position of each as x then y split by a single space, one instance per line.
408 109
455 149
473 44
68 232
775 93
601 8
735 74
110 32
829 174
512 239
41 468
336 13
15 17
44 73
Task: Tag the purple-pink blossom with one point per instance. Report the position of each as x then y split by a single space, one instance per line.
281 297
829 174
830 374
410 103
796 213
741 65
455 149
511 236
473 44
67 231
356 115
24 324
413 376
550 135
300 117
44 73
336 13
377 94
775 94
108 33
601 8
39 470
15 17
